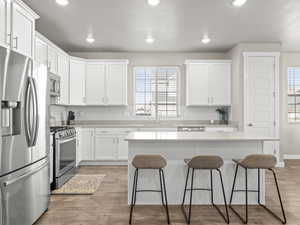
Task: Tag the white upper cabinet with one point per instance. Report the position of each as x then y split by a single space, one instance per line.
52 60
3 23
208 83
23 29
95 84
106 82
63 72
197 88
41 52
77 81
220 84
116 84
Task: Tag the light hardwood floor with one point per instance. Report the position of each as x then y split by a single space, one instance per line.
108 206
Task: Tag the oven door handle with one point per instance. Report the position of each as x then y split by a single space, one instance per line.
61 141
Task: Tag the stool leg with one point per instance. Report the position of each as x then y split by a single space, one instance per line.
211 189
185 187
161 188
133 196
283 221
165 194
191 197
245 221
226 218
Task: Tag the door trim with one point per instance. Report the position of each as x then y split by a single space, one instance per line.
276 56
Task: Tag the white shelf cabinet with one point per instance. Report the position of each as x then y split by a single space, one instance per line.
87 140
77 81
106 82
208 83
17 27
63 72
105 147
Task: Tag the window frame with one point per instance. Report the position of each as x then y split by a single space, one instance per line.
156 117
287 95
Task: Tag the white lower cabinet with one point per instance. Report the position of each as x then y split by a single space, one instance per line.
105 147
102 145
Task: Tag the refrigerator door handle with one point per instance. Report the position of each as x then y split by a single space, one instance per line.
27 114
7 183
35 112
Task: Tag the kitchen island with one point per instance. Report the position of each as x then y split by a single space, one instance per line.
177 146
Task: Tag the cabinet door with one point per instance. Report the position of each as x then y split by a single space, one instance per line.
95 84
122 148
219 84
63 72
87 140
22 31
116 84
52 60
78 146
77 82
3 23
41 52
105 147
197 85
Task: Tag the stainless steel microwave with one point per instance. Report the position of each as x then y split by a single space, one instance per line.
54 85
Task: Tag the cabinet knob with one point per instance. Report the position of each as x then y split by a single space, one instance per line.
250 125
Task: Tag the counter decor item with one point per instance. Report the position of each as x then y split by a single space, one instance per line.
71 118
224 114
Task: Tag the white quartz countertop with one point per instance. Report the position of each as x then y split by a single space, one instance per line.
197 136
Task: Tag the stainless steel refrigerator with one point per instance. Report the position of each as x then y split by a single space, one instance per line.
24 166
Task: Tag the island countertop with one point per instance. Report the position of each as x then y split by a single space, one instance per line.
197 136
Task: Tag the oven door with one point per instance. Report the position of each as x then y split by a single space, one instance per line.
65 155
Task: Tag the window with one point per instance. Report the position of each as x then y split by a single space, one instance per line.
156 92
294 94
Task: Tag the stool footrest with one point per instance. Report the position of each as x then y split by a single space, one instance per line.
148 191
245 190
199 189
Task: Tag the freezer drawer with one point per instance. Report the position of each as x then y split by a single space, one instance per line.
25 195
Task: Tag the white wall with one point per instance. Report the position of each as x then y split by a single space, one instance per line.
290 132
147 59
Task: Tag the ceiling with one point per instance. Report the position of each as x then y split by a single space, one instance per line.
177 25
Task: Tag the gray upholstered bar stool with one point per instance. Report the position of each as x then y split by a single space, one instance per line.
204 163
149 162
256 161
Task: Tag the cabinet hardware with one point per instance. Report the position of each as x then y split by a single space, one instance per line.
16 41
250 125
8 39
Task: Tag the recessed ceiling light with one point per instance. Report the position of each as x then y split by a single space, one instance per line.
62 2
205 39
153 2
150 40
90 39
238 3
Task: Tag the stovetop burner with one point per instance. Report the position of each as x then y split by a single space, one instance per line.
60 128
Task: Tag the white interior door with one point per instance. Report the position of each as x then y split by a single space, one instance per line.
95 84
197 85
260 98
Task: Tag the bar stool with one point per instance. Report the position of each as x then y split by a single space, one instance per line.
149 162
258 161
204 163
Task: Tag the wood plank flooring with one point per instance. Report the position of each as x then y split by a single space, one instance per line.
108 206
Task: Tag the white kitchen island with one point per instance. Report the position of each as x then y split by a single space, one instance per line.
177 146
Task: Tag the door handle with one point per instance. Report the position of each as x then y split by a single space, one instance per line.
36 109
27 116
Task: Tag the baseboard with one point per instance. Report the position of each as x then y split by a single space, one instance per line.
104 163
291 156
280 165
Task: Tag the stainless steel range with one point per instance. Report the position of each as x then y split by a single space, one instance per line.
64 158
